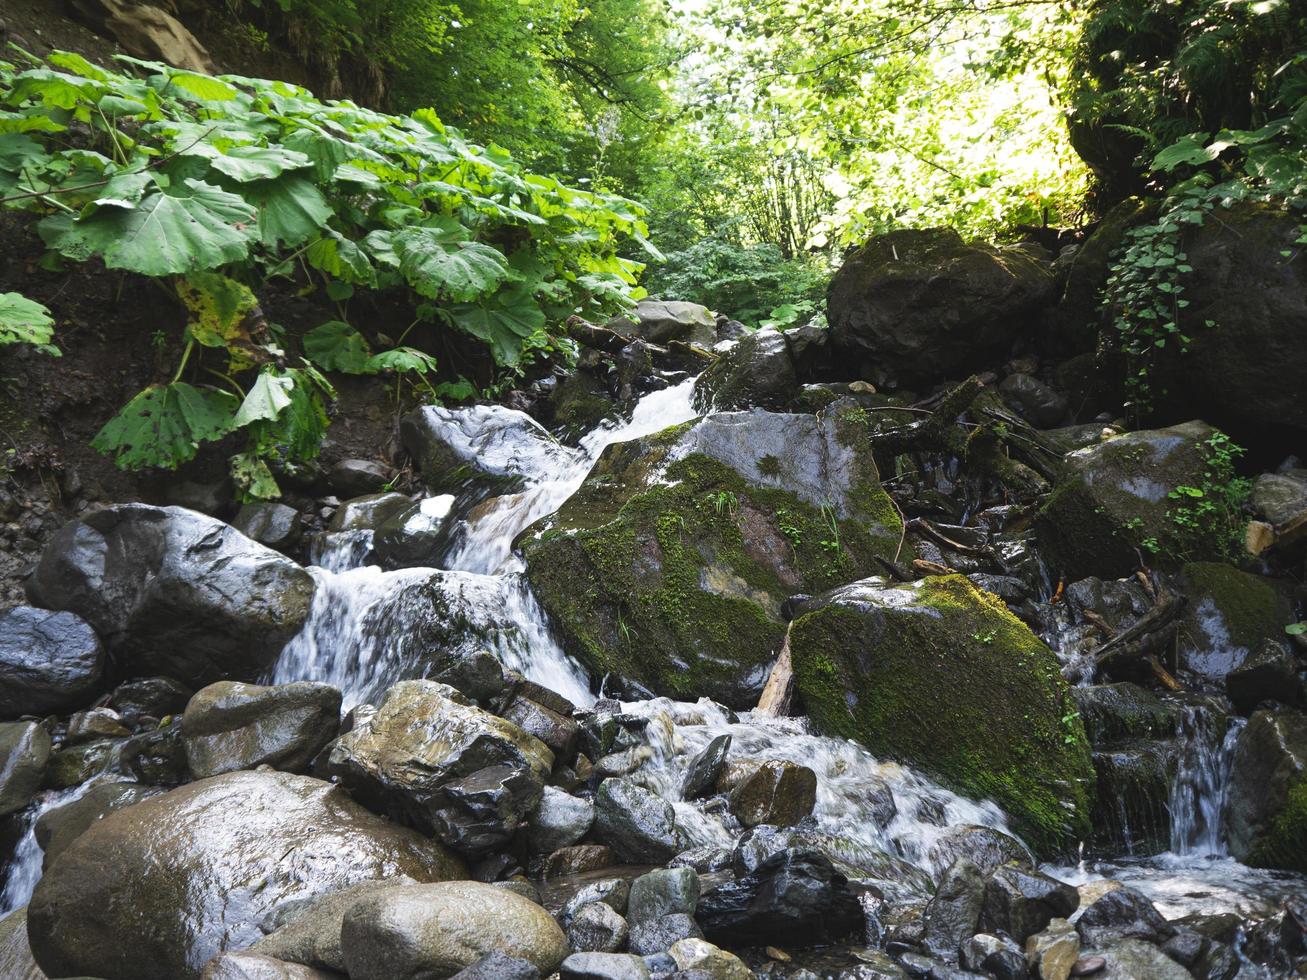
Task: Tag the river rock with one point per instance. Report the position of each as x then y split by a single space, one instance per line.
150 697
367 513
915 305
658 935
757 372
704 768
269 523
16 961
695 957
1134 959
792 896
559 821
779 793
193 871
597 928
1040 405
1122 913
577 859
49 662
668 568
253 966
1053 951
613 892
312 934
1113 712
996 955
604 966
477 813
498 966
1230 614
639 826
416 932
666 891
24 755
1269 674
353 477
416 536
60 826
985 847
1113 497
872 659
556 730
495 448
174 592
1266 816
661 321
399 760
230 725
1020 902
86 726
953 912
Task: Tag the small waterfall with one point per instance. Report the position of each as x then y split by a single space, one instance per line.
1202 776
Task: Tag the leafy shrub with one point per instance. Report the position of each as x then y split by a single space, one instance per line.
214 185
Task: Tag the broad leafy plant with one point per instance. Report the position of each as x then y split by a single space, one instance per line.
215 185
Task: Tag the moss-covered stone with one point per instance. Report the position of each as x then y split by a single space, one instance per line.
1111 504
1267 812
667 569
1111 712
942 676
1229 615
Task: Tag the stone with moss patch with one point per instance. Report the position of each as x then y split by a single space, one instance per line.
1229 615
940 675
1267 811
667 569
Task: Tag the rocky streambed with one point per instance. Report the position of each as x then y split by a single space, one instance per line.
707 659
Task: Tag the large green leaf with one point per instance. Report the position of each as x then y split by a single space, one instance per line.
197 226
504 321
402 360
165 424
338 256
23 321
246 163
266 399
291 209
297 430
336 346
437 265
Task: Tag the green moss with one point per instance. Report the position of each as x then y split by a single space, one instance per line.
947 679
769 466
1285 843
1251 607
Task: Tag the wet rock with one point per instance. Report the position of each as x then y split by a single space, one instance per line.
229 726
1132 807
49 662
354 477
418 931
667 891
1053 952
1280 499
191 872
604 966
309 932
1040 405
916 305
475 673
1269 674
696 955
704 768
24 755
778 793
173 592
557 731
1203 957
559 821
757 372
985 847
74 764
659 322
150 697
1230 615
930 968
399 759
272 524
60 826
86 726
613 892
995 955
416 536
639 826
1113 712
596 928
1020 902
953 913
718 523
253 966
16 961
156 758
577 860
658 935
494 447
869 660
890 874
792 896
477 813
1113 496
1122 913
369 512
1267 804
498 966
1134 959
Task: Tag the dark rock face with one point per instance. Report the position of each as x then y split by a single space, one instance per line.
57 828
1230 615
273 524
1270 674
660 322
416 536
419 931
174 592
311 936
917 305
353 477
639 826
705 768
1042 406
793 896
367 513
777 793
757 372
559 821
1020 902
952 914
494 446
152 697
1122 913
194 871
985 847
24 754
229 726
481 811
49 662
1267 809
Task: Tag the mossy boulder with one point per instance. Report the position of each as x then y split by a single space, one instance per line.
1111 503
667 569
940 675
1267 810
1230 614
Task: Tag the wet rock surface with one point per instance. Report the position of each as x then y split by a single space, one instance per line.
49 661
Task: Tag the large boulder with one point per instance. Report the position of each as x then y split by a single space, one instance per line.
24 755
428 932
59 826
1112 504
877 662
154 891
16 961
1229 616
230 725
446 767
1266 815
639 826
49 662
662 321
915 305
758 372
174 592
668 568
